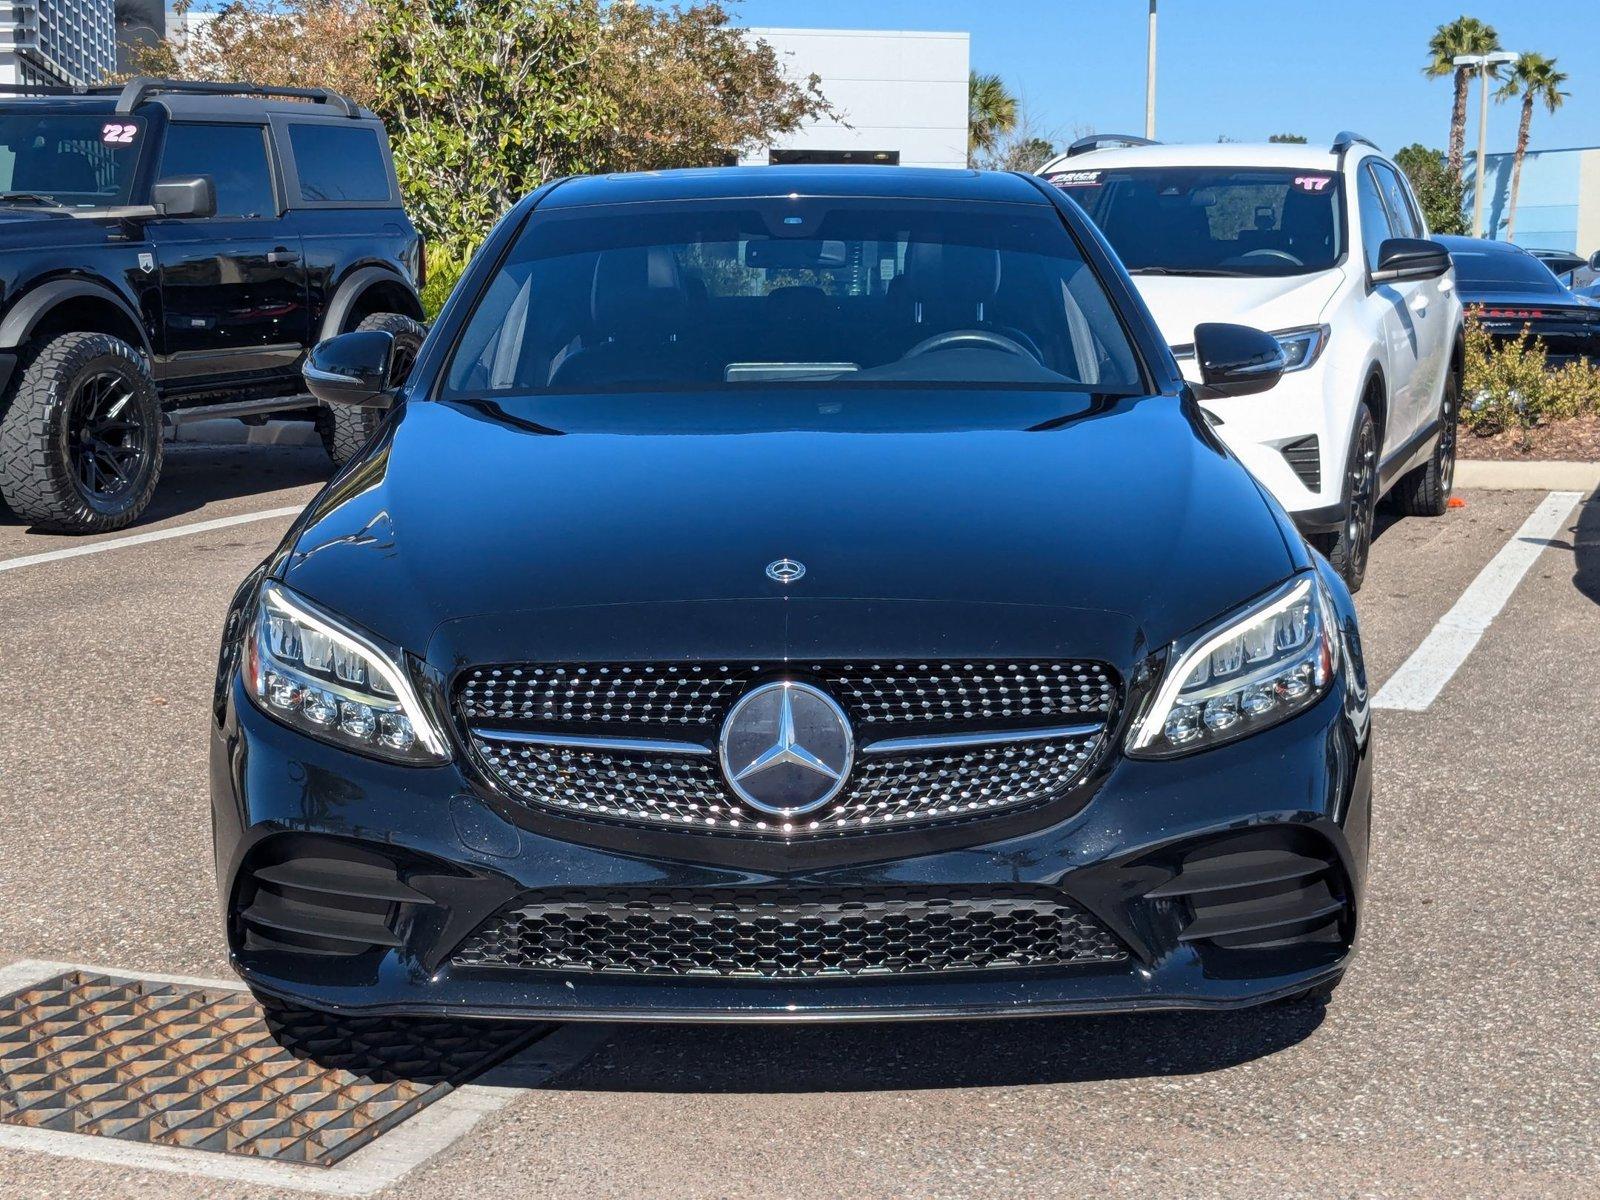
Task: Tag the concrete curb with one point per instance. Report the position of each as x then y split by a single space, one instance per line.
1530 476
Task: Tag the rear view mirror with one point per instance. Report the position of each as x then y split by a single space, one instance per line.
1236 360
797 255
352 369
1401 259
185 196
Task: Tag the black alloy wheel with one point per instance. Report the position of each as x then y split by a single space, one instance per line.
107 443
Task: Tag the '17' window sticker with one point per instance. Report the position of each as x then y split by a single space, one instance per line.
117 134
1313 183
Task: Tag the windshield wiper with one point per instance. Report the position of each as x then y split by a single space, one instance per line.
29 198
1218 271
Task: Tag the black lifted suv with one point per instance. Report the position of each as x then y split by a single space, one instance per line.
168 252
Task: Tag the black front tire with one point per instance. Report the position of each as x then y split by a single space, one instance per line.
345 430
1425 491
80 435
1349 548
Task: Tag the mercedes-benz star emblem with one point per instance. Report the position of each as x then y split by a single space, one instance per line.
786 748
785 570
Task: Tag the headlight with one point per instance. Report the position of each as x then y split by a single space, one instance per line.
326 679
1254 671
1301 347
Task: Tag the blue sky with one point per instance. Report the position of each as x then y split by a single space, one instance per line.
1243 68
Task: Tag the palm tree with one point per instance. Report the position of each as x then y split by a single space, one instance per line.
1464 35
1535 78
991 113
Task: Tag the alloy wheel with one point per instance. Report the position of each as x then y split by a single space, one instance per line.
1363 477
107 443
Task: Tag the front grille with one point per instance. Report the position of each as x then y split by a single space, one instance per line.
685 696
681 790
789 934
1305 460
508 705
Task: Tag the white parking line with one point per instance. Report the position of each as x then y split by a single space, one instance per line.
1422 677
139 539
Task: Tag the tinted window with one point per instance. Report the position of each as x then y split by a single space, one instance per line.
1403 219
1214 220
1374 216
1503 268
235 156
78 161
854 293
339 162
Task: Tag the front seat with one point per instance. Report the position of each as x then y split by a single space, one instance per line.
638 318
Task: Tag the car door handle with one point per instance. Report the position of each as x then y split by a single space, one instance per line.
281 256
1419 305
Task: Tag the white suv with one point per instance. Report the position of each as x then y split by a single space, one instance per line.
1325 249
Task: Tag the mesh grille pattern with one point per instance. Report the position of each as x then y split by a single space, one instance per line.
684 695
789 934
682 790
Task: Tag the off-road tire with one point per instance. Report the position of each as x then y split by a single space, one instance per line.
344 430
1425 490
38 476
1348 549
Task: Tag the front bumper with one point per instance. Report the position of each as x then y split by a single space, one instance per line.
467 853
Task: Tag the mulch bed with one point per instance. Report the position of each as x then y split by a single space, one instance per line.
1574 440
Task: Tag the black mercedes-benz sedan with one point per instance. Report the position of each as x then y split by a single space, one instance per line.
791 594
1509 290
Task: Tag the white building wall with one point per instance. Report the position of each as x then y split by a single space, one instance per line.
893 90
57 41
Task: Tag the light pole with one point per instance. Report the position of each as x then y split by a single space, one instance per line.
1150 78
1486 64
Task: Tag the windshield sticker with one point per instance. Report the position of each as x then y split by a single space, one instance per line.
1068 179
1313 183
118 135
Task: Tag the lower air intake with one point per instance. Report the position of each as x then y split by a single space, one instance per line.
788 934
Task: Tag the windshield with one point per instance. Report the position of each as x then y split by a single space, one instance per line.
81 160
1214 220
792 292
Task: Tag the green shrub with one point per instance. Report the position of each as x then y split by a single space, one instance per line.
1510 385
446 264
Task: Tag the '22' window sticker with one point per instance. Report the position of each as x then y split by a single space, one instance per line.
116 134
1313 183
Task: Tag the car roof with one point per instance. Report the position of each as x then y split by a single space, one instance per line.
1291 155
1455 241
723 183
182 107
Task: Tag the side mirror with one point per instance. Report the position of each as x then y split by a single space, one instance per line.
352 369
1236 360
185 196
1401 259
1594 261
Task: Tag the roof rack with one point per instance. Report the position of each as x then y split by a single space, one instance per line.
136 91
1345 139
1095 140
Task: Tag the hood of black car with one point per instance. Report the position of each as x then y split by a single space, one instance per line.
568 527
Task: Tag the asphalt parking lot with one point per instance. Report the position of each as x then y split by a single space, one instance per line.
1461 1057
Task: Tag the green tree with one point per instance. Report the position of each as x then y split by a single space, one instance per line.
1534 77
486 99
1439 190
1464 35
1293 139
991 114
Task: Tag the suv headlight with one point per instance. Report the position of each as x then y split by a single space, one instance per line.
326 679
1301 347
1251 672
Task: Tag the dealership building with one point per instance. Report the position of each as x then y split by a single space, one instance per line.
900 97
1558 203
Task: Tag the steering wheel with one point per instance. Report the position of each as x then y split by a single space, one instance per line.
1269 252
970 339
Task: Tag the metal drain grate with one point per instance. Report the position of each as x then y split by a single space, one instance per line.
209 1069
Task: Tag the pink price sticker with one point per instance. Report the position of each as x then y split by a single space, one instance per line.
1313 183
118 134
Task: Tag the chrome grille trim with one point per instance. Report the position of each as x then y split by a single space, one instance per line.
988 737
578 741
884 791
